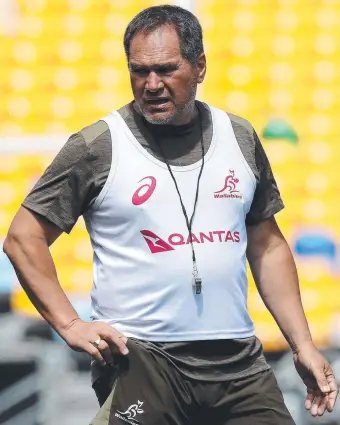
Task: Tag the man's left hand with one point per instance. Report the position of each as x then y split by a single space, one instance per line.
317 374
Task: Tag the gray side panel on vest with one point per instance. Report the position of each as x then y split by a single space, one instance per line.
244 134
124 111
91 132
97 138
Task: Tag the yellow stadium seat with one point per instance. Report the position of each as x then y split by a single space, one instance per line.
79 36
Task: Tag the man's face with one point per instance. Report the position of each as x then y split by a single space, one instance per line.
163 82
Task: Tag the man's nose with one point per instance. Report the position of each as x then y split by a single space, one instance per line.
153 82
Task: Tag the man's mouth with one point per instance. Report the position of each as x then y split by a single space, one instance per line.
158 101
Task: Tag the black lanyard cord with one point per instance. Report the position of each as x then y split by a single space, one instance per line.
188 222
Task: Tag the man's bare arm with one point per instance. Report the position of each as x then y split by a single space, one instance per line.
27 247
275 275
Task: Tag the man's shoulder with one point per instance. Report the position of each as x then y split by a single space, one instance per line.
237 121
126 111
245 136
94 132
99 130
240 121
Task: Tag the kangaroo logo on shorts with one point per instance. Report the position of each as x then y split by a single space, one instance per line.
130 414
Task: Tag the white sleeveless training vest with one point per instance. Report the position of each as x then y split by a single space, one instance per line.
142 258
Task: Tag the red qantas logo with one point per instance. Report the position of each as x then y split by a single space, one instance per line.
156 244
229 187
144 192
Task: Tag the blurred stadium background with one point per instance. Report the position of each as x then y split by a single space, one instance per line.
62 66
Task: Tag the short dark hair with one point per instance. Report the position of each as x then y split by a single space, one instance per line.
186 24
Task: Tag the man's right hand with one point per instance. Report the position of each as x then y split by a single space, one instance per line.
80 336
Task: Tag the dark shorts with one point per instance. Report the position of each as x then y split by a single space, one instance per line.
147 389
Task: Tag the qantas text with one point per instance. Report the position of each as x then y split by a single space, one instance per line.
214 236
157 244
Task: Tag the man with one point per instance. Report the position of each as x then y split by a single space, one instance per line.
175 193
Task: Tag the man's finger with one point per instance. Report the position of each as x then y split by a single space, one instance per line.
315 405
309 399
114 349
332 400
333 393
322 406
94 353
123 338
322 382
105 351
111 336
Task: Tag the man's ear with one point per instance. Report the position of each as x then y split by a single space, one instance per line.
201 67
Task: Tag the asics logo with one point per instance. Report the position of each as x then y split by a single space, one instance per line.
144 192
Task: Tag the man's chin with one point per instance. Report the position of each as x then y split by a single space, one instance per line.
159 117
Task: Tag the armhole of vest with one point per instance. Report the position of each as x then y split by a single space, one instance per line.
240 153
113 167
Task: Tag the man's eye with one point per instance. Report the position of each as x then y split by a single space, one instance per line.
140 71
165 71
